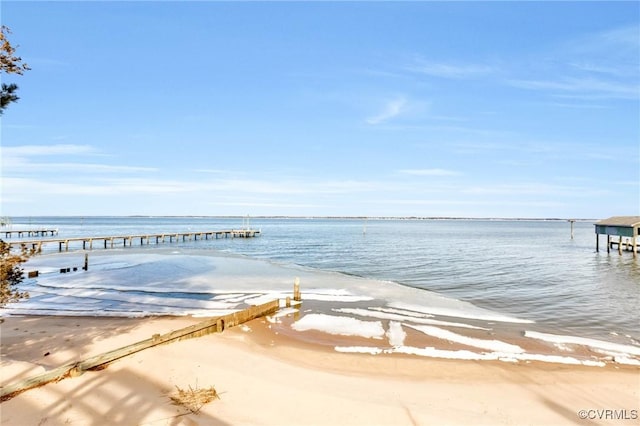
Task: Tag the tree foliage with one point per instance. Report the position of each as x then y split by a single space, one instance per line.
11 274
7 95
9 64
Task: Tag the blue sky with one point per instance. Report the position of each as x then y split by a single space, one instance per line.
483 109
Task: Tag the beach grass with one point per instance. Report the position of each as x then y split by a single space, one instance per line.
194 399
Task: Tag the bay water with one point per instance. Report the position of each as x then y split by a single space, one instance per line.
528 269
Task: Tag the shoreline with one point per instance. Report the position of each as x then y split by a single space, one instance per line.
264 376
348 313
552 219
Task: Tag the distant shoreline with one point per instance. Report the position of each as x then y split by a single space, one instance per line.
506 219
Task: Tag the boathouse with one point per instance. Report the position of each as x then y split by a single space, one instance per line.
624 227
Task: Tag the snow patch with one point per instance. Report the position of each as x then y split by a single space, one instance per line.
592 343
493 345
396 334
469 355
285 312
397 317
335 298
342 326
475 313
359 350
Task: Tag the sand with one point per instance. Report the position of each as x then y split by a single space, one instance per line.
267 378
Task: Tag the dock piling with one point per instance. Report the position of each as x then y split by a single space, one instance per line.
296 290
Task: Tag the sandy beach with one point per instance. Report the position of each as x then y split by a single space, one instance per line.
265 377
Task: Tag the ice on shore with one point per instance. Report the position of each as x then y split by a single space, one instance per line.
492 345
396 334
432 352
359 350
342 326
461 310
335 298
592 343
392 316
402 312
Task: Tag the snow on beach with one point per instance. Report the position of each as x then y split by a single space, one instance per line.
343 326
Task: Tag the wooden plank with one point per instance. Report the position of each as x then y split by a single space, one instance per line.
196 330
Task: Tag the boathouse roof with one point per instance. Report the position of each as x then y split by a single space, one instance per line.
622 221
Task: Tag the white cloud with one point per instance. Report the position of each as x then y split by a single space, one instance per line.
40 150
590 67
601 65
586 87
429 172
535 189
27 167
616 43
19 159
123 186
260 204
443 70
392 109
213 171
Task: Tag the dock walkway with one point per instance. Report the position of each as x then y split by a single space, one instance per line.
128 240
29 232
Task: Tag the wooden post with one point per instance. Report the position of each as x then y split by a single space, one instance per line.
86 262
597 242
572 221
288 302
608 243
620 244
634 246
296 290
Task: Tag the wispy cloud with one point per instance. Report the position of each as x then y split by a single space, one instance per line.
429 172
36 150
586 87
447 70
580 105
613 43
536 189
27 159
266 204
160 186
392 109
602 66
543 150
591 67
78 167
211 171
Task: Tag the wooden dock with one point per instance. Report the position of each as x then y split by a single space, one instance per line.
29 232
87 243
626 228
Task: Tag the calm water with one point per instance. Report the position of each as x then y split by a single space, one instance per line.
531 269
